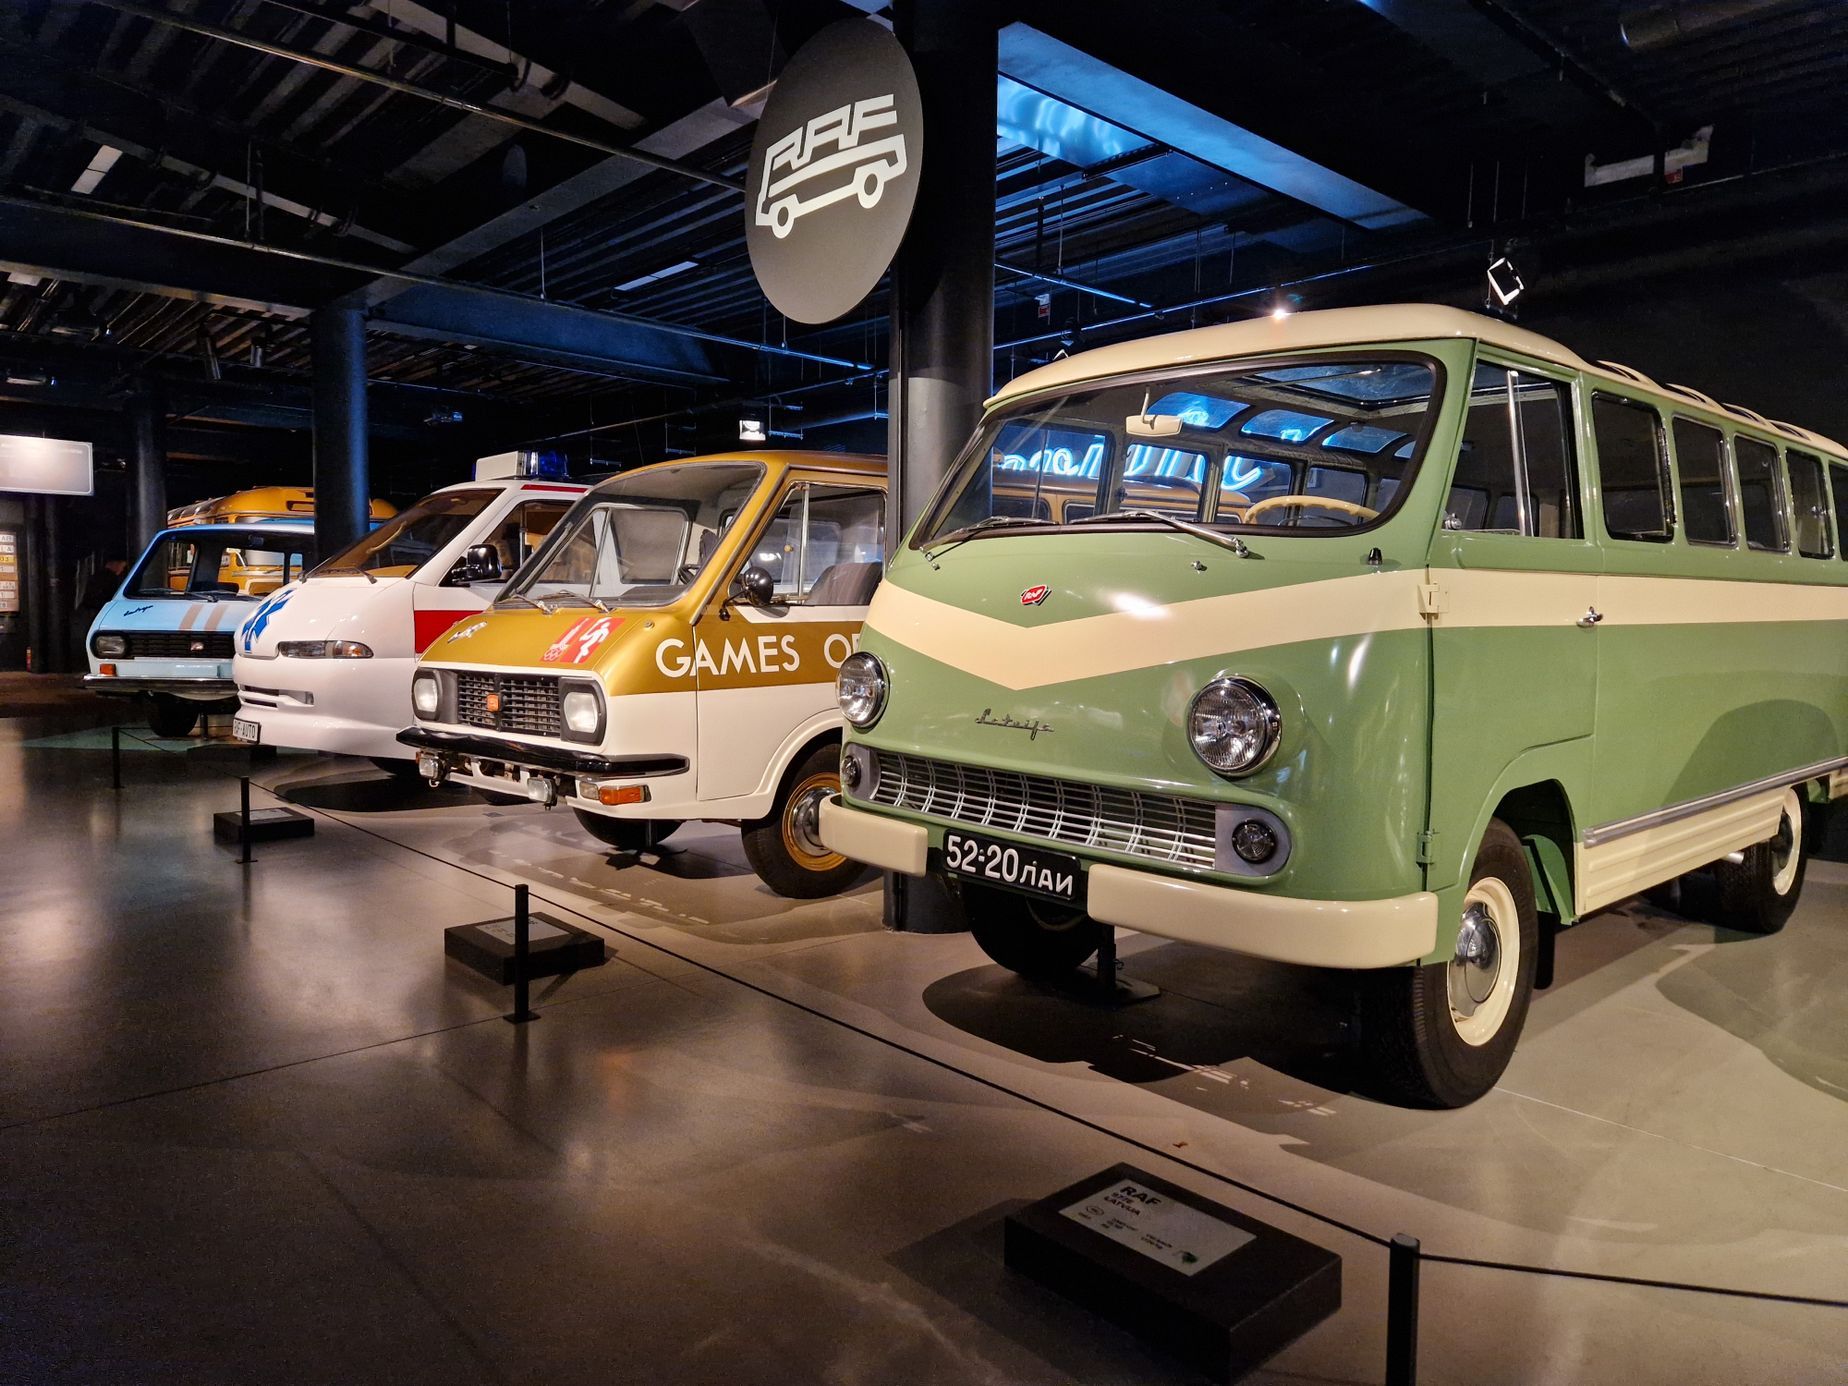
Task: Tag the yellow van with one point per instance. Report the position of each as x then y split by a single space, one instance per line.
669 654
255 573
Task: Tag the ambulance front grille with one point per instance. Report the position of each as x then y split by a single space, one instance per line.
1159 827
528 702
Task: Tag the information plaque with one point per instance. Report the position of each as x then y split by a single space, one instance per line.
1198 1282
9 572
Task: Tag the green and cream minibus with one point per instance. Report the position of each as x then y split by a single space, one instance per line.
1376 639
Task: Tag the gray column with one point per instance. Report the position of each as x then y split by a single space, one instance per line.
32 583
943 297
147 469
943 284
342 483
57 590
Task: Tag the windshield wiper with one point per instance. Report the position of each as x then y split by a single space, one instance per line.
564 598
1212 536
968 532
366 574
512 597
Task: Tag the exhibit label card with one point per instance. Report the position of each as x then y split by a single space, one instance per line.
1181 1238
502 929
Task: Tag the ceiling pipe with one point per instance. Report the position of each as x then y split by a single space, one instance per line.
455 103
1650 27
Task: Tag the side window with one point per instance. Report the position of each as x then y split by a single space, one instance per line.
522 529
1630 472
1706 514
1808 506
845 554
1838 481
1515 471
1761 495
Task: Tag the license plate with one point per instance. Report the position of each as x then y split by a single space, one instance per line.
246 731
1052 874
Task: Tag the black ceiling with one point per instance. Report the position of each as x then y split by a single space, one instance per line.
1476 115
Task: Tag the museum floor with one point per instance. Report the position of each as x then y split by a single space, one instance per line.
254 1127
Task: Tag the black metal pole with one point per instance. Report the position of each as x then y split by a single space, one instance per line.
522 943
1402 1311
115 757
341 482
147 473
243 824
1107 965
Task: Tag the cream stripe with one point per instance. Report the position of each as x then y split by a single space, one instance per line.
1636 861
1143 634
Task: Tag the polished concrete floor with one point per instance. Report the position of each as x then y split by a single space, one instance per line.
254 1127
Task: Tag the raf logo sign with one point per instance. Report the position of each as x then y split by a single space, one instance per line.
834 171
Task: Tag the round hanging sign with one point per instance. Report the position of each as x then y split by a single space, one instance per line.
834 171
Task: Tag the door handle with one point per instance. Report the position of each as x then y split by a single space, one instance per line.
1591 617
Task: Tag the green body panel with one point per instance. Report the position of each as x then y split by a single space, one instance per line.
1399 743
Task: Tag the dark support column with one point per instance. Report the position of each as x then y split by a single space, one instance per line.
943 294
32 581
57 590
342 485
147 470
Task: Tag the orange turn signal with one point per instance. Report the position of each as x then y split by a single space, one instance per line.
108 671
613 794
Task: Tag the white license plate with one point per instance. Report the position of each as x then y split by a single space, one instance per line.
246 731
1054 874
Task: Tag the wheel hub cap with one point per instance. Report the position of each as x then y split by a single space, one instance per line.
1477 962
805 821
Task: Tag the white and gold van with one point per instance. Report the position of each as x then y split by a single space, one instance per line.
669 654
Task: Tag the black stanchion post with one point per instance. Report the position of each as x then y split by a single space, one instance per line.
522 944
243 820
1107 965
115 757
1402 1311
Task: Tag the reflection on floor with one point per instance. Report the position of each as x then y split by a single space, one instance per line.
253 1126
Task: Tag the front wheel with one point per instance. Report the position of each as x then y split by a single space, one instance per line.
171 718
785 848
1038 939
1441 1034
1759 893
631 835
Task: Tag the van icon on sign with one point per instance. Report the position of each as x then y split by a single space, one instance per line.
796 182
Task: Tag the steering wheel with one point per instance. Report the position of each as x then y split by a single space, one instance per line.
1345 507
688 572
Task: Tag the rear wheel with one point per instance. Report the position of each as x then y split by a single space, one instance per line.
1441 1034
626 834
785 848
1759 893
172 718
1036 938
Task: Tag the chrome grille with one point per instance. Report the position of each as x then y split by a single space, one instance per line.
177 644
528 702
1159 827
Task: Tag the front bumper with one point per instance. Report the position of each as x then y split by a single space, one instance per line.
130 685
1316 933
556 759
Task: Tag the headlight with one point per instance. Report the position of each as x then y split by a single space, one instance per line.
1233 725
110 646
426 694
323 649
583 713
862 689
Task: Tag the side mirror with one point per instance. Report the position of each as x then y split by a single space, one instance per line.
755 586
482 564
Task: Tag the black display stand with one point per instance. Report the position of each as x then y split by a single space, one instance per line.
266 825
1213 1288
556 947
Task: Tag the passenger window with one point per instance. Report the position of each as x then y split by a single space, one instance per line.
826 546
1700 454
521 530
1630 470
1515 472
1838 482
1761 495
1808 507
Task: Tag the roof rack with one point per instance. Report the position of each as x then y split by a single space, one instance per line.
1698 396
1751 414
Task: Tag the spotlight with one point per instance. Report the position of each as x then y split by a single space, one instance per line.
751 431
1279 313
1505 283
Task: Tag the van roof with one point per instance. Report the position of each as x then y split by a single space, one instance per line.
278 501
509 483
1331 327
857 463
242 527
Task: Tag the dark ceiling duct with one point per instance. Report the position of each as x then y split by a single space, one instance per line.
1656 26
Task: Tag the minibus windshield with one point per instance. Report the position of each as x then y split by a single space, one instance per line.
639 540
215 564
1313 445
404 543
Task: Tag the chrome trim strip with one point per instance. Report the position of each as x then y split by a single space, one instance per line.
1675 813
